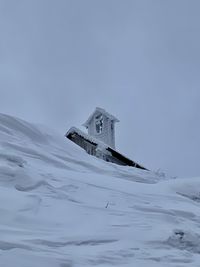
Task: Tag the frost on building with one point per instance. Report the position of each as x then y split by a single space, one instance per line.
100 139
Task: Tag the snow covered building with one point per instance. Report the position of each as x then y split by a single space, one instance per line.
100 139
101 125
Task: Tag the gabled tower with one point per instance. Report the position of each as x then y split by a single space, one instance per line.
101 125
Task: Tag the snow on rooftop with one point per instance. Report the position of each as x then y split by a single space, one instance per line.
87 137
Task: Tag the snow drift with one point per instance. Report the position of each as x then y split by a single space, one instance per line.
60 207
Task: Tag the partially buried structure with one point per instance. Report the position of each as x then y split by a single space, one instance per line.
100 139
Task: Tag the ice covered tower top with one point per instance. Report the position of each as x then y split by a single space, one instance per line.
101 125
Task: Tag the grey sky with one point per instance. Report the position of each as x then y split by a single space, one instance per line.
140 60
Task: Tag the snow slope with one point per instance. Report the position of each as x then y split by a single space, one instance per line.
60 207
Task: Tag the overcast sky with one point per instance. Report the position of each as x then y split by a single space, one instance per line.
138 59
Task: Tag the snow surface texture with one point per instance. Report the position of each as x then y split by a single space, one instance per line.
60 207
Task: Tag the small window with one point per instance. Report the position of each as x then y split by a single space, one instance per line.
112 126
99 123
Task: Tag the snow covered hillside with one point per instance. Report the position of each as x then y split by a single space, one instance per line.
60 207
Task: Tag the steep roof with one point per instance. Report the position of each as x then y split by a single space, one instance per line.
86 136
104 112
103 147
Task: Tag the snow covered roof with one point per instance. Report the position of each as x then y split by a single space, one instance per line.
102 146
104 112
86 136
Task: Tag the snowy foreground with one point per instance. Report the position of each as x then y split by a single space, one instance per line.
60 207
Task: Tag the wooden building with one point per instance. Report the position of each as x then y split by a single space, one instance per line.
100 140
